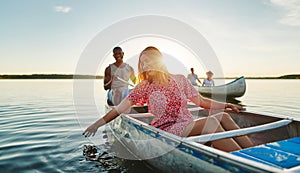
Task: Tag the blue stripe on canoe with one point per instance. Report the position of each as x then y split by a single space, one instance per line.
284 154
246 156
277 157
286 146
295 140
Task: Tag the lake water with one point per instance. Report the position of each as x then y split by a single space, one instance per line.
40 131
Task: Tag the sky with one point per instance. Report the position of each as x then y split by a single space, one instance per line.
249 37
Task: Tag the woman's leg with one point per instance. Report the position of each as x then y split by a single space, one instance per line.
211 125
228 124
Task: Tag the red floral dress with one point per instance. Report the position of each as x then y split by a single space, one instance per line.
167 104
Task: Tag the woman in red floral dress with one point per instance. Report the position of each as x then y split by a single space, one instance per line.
166 96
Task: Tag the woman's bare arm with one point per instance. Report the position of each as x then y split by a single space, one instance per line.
212 104
121 108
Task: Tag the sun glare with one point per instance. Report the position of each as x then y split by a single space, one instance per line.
178 58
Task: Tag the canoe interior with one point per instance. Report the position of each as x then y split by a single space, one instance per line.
245 119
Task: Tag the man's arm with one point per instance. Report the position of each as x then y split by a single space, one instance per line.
203 83
196 76
107 79
199 81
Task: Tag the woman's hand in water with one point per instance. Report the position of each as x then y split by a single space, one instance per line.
91 130
112 114
235 108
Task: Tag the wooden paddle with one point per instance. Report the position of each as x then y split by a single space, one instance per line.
122 80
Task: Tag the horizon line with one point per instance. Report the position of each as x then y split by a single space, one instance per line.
297 76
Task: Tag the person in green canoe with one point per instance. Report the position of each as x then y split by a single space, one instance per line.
208 81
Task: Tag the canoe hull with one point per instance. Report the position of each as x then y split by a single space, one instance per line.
168 153
236 88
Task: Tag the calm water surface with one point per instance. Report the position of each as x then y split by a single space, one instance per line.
40 131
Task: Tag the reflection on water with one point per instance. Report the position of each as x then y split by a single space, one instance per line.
234 101
40 131
281 97
229 100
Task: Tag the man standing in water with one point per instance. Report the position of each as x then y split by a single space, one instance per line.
193 77
116 77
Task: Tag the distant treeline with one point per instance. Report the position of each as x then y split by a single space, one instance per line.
70 76
50 76
292 76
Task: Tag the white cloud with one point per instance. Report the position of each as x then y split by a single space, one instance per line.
63 9
292 9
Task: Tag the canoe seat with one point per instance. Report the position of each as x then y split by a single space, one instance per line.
237 132
281 154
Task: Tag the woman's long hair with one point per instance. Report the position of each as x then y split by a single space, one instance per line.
154 69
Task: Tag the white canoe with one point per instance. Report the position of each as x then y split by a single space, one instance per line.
236 88
276 138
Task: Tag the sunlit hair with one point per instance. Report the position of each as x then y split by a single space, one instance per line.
154 69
